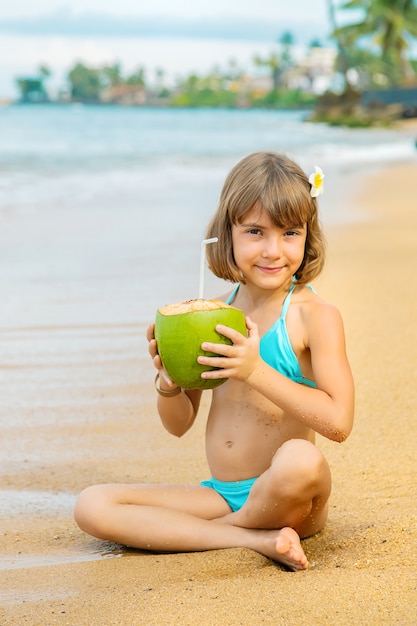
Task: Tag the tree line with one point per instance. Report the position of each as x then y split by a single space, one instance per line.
371 52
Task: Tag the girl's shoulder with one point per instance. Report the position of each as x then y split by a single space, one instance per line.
313 308
307 295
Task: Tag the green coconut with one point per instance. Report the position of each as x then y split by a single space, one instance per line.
180 330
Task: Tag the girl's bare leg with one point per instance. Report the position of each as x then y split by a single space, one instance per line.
187 519
119 513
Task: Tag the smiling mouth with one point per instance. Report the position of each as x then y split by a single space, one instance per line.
270 270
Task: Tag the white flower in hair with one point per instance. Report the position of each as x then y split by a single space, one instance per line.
316 181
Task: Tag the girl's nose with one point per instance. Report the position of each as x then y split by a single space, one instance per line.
272 248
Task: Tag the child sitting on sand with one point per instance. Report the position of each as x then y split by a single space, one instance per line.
287 379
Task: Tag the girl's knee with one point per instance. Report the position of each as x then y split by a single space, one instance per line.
303 461
90 509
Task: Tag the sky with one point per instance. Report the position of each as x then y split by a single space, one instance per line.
177 36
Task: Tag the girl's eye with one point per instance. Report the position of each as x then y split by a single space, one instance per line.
254 231
291 233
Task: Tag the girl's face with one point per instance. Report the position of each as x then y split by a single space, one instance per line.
268 256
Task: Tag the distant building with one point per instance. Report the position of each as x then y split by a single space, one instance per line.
249 87
314 73
32 90
128 95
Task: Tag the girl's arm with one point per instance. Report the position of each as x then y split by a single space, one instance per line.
329 409
177 412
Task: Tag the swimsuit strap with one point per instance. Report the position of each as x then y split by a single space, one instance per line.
288 297
287 302
233 295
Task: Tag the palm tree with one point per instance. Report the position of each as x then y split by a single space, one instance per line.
137 78
341 42
113 74
86 83
391 23
273 63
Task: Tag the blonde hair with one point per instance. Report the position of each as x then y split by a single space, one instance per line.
277 185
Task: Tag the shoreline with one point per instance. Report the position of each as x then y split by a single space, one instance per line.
93 417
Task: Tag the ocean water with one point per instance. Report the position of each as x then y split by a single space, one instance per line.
102 209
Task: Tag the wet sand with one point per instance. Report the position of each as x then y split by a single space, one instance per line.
86 414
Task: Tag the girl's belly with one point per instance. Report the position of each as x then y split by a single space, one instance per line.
242 437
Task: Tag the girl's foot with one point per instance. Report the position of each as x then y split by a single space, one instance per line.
290 552
283 546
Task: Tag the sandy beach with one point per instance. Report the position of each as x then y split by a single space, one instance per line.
364 563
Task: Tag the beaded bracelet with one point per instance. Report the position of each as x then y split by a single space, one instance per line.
166 394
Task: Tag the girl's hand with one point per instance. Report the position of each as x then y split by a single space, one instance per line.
237 361
156 359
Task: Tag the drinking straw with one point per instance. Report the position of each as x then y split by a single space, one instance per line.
202 257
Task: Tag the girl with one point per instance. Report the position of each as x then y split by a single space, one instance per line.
287 379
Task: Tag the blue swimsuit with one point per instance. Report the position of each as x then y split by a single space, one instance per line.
276 348
277 351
